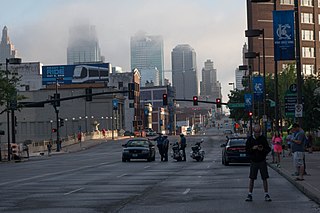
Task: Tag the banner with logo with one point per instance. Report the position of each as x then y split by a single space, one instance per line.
248 101
283 34
258 87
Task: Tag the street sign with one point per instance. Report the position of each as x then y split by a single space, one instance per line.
235 105
293 88
298 110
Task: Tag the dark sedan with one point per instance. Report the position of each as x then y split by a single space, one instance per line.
138 148
234 151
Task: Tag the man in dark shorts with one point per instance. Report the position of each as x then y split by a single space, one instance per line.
257 148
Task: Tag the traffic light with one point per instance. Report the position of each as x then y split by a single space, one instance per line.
54 130
61 121
195 100
165 99
88 94
218 102
250 114
56 98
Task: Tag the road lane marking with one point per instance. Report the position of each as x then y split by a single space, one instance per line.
73 191
120 176
146 167
53 174
199 176
208 167
187 191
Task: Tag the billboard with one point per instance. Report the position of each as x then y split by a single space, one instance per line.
80 73
283 34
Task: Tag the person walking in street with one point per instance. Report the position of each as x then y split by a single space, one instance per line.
165 147
277 147
297 146
160 140
257 147
183 145
49 146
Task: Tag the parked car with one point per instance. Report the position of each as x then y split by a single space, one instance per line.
234 151
138 148
150 132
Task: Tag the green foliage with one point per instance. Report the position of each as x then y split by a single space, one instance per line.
8 90
237 96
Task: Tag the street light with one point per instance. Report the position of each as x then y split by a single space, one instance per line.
257 33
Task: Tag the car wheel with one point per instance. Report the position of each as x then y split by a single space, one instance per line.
226 163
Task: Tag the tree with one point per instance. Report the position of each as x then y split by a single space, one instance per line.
8 92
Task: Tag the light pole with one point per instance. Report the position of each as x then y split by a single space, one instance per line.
51 121
11 106
257 33
66 120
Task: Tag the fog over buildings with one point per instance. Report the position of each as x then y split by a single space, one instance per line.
215 29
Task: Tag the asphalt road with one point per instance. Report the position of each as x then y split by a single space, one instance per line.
95 180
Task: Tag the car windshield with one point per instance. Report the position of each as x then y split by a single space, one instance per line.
237 142
137 143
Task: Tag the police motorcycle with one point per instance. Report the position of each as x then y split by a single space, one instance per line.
197 153
176 152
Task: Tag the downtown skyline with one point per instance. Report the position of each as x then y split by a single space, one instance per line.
215 29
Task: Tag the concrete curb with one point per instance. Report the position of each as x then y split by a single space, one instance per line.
303 186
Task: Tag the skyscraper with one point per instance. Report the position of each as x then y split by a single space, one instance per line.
240 73
147 54
184 71
6 47
83 45
210 87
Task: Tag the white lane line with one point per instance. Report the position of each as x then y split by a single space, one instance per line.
187 191
52 174
120 176
208 167
199 176
146 167
73 191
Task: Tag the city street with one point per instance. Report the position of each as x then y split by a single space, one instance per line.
95 180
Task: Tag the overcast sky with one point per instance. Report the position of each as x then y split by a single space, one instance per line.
39 29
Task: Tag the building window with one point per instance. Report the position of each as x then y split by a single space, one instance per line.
307 35
307 18
308 69
307 52
290 2
308 3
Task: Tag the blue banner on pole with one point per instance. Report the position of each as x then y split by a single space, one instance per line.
258 88
115 104
248 101
283 34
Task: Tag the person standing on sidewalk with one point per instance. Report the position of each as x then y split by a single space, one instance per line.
277 147
297 146
257 147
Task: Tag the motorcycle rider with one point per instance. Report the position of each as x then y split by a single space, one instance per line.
183 144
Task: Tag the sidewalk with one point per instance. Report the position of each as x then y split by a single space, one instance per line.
76 147
311 184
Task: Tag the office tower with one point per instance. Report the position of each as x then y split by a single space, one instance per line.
240 73
184 71
210 88
260 17
147 54
6 47
83 45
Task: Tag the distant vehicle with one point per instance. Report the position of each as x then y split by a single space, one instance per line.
150 132
84 73
138 148
234 151
189 131
228 132
128 133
